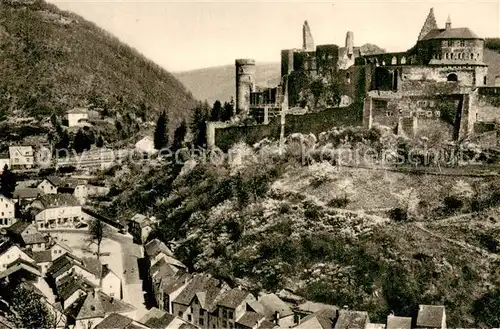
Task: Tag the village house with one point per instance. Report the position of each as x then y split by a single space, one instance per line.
71 287
195 301
156 318
140 226
398 322
43 259
7 211
166 289
77 188
56 211
156 250
19 271
322 319
276 310
145 145
69 264
23 196
58 248
431 316
238 308
111 283
27 236
9 252
77 116
21 157
50 184
90 309
351 319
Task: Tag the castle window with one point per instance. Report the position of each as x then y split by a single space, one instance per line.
484 80
394 60
462 43
403 60
390 114
471 56
452 77
429 114
446 55
477 56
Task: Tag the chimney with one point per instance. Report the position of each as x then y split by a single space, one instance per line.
277 317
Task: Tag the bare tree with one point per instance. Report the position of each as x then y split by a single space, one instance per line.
98 230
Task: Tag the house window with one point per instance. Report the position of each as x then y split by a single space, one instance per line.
437 114
224 323
190 318
201 322
180 314
202 312
230 314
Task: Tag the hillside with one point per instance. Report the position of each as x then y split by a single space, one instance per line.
218 83
52 61
265 221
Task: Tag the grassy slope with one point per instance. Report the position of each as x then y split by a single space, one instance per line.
52 61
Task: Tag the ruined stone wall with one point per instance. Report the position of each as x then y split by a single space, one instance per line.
245 84
487 104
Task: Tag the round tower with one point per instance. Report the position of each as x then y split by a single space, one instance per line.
245 84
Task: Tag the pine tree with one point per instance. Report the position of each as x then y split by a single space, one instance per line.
161 134
216 111
79 142
8 182
179 135
198 124
227 112
100 141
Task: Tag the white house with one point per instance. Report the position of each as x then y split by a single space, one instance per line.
7 211
146 145
58 248
9 253
111 283
76 116
56 211
21 156
50 184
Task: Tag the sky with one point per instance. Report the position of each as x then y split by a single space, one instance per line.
182 35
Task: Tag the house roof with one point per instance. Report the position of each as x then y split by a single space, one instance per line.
33 238
250 319
78 110
57 200
160 322
19 265
86 307
161 269
69 284
27 193
312 307
398 322
155 246
451 33
55 180
6 199
153 313
93 265
272 304
62 264
351 319
61 244
375 326
430 316
18 227
44 256
115 321
325 318
199 283
20 150
232 298
113 305
172 284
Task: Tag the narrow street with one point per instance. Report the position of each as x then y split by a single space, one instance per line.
125 266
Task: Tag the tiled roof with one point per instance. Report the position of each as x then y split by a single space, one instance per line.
267 325
115 321
33 238
93 265
199 283
155 246
161 322
351 319
71 283
161 269
272 304
398 322
86 307
312 307
232 298
18 227
325 317
62 264
113 305
451 33
55 180
153 313
27 193
44 256
173 283
250 319
58 200
19 265
61 244
430 316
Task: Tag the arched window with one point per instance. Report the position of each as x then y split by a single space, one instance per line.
403 60
446 55
452 77
394 60
484 80
471 56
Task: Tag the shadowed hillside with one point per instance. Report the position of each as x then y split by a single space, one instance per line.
53 60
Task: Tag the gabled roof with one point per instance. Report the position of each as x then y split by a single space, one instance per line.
272 304
61 244
19 265
54 180
398 322
34 238
199 283
27 193
86 307
44 256
451 33
57 201
351 319
429 25
93 265
324 318
160 322
250 319
153 313
6 198
69 284
64 263
155 246
232 298
312 307
115 321
114 305
78 110
20 150
430 316
18 227
172 284
161 269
